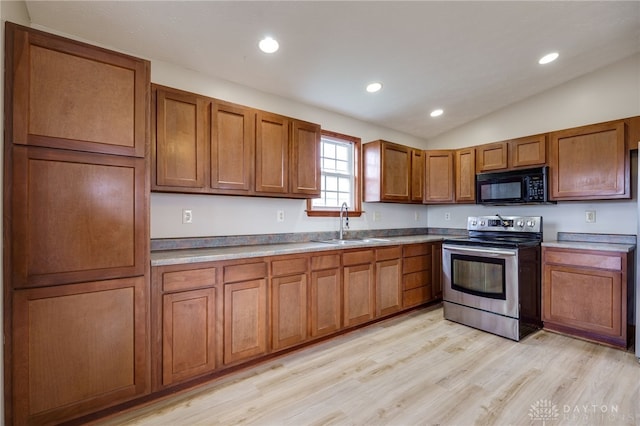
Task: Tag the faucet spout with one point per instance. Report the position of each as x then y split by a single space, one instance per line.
344 208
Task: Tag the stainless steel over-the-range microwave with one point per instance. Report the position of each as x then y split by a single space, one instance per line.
525 186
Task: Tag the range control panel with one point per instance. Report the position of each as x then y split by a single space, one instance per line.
505 223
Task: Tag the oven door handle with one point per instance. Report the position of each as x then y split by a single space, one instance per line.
487 251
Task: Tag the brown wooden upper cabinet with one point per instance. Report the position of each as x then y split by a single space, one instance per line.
417 176
439 184
450 176
388 172
528 151
204 145
180 124
465 172
67 94
232 147
590 162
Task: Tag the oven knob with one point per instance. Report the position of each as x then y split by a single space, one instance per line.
474 222
531 223
520 223
483 223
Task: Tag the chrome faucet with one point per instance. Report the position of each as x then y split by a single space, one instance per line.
344 208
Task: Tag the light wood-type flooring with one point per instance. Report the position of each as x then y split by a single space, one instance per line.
418 369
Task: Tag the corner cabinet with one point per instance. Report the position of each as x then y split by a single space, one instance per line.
208 146
590 163
584 293
77 236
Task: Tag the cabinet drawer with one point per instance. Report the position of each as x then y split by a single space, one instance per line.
416 263
358 257
416 279
185 280
387 253
416 296
326 261
416 249
289 266
586 259
233 273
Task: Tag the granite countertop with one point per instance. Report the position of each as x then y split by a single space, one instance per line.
183 256
604 242
587 245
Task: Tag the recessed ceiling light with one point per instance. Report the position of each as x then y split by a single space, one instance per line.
268 45
374 87
550 57
436 112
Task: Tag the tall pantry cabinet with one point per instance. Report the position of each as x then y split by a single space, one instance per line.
76 228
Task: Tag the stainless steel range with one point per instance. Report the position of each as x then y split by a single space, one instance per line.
492 278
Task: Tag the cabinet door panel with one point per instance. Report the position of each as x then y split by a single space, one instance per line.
78 348
272 153
590 162
77 216
71 95
589 300
325 302
359 294
180 140
189 342
388 287
305 159
245 320
465 175
396 160
417 175
529 151
491 157
232 144
289 310
439 179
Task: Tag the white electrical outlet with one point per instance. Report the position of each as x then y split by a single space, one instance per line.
376 216
416 216
590 216
187 216
447 216
280 216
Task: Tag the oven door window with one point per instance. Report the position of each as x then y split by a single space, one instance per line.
480 276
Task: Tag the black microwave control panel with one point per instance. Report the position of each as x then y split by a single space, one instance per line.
535 188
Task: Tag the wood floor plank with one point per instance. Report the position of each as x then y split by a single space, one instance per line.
418 369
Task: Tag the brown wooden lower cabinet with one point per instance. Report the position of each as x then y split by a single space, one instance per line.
584 293
359 287
289 307
78 348
388 280
245 320
325 305
189 338
417 274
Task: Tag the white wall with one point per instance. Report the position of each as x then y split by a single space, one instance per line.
229 215
606 94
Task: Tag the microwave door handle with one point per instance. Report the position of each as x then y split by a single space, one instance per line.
487 252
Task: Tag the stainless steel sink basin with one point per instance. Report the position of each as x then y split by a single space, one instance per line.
354 241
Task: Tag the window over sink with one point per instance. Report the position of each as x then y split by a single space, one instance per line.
340 176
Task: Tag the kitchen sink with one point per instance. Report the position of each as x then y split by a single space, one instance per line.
354 241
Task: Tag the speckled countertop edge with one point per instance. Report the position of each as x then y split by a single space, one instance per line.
212 254
602 242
